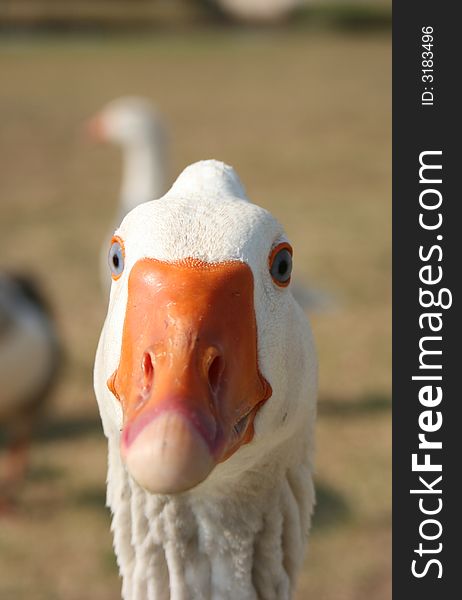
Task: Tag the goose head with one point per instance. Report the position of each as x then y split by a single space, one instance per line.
205 362
126 121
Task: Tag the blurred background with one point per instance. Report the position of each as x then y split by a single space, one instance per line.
297 99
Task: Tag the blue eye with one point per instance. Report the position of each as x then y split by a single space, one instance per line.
116 258
281 264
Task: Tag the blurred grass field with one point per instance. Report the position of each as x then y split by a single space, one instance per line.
305 119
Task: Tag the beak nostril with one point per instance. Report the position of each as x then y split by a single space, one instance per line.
148 371
214 373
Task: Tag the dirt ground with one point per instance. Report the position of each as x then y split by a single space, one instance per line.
305 119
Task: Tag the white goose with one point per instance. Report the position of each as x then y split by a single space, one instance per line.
29 364
205 377
259 11
138 128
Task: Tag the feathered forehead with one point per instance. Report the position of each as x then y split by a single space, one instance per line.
205 215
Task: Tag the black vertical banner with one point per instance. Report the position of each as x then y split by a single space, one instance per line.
427 322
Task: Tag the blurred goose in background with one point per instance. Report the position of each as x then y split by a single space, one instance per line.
138 128
29 364
206 379
259 11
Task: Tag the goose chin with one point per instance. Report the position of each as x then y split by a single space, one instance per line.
168 456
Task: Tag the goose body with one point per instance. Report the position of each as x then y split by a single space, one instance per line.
29 362
205 377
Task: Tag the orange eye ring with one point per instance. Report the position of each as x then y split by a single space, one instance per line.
280 264
116 257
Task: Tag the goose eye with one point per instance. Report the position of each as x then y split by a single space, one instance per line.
280 263
116 258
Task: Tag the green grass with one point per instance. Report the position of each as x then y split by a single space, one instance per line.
305 119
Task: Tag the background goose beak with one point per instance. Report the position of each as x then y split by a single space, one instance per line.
94 129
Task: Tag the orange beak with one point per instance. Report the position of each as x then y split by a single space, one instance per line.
188 377
94 129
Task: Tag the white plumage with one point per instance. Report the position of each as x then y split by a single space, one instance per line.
239 529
